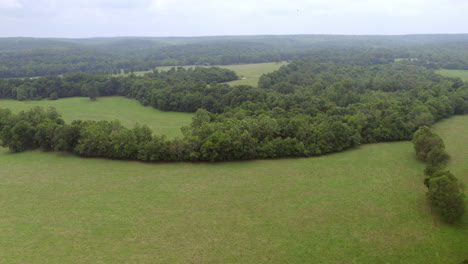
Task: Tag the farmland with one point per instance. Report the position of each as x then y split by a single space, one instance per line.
250 73
127 111
453 131
315 165
462 74
366 205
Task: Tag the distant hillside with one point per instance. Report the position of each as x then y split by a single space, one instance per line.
25 57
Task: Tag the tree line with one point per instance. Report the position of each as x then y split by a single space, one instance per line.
445 192
81 84
304 109
29 57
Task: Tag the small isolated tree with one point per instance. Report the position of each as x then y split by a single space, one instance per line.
445 196
92 93
90 90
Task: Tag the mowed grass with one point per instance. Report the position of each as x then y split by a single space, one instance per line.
462 74
366 205
128 111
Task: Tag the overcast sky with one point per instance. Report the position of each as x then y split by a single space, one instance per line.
94 18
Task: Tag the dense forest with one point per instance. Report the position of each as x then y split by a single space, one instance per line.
306 108
30 57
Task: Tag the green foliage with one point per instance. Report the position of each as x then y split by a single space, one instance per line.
128 111
92 92
20 137
4 117
363 204
53 96
437 156
445 193
327 108
156 149
66 136
308 107
216 146
29 129
446 196
425 141
335 137
27 57
45 135
95 140
124 143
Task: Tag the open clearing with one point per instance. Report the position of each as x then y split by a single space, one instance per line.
250 72
366 205
462 74
128 111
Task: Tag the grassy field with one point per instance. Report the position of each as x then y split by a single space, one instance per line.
250 73
366 205
454 133
462 74
128 111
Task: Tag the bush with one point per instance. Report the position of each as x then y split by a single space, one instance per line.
438 157
445 193
53 96
446 197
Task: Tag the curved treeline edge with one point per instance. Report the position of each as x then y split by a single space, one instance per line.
445 192
304 109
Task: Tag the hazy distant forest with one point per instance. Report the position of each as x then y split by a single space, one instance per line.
27 57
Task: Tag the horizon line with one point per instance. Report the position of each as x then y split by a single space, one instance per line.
246 35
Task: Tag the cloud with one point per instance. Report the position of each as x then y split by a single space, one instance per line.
87 18
7 4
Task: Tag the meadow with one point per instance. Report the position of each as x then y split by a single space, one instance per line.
456 142
365 205
128 111
249 73
462 74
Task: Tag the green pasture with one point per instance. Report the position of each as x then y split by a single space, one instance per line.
462 74
249 73
128 111
365 205
454 132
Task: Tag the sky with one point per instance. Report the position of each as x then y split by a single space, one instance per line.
108 18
